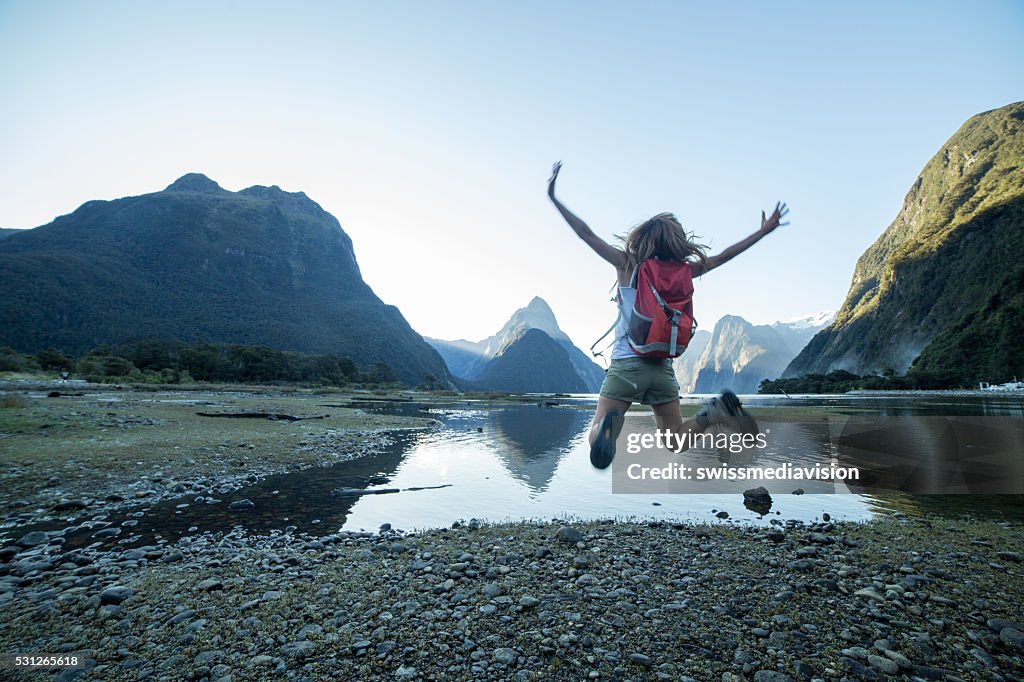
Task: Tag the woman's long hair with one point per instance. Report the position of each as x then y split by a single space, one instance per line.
662 237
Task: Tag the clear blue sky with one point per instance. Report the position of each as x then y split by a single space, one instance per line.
429 128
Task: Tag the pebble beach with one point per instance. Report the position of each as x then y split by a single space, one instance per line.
903 598
917 599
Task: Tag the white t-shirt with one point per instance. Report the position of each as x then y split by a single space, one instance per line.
621 348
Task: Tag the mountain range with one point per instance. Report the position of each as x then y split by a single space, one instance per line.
195 262
947 271
529 353
738 355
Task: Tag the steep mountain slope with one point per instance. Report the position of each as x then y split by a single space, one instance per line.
196 262
532 362
986 345
687 366
959 235
739 355
469 360
465 359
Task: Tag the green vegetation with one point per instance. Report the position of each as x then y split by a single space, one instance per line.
841 381
11 400
171 362
259 267
986 345
958 236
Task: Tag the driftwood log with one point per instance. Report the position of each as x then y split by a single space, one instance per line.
258 415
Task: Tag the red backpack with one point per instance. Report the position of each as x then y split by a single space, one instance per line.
661 322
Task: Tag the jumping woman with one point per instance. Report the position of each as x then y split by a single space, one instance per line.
631 378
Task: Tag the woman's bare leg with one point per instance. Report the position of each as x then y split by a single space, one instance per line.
668 418
604 406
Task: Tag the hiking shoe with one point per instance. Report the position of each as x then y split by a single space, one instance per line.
727 411
602 452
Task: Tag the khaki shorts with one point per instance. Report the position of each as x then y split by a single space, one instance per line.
641 380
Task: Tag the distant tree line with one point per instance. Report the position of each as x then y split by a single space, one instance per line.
841 381
172 362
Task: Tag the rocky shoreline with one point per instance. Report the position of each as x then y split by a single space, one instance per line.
106 450
916 599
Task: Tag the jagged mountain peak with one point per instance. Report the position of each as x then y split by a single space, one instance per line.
194 182
533 326
293 201
540 306
819 319
536 315
739 354
272 192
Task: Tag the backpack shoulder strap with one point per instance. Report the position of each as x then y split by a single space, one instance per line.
597 354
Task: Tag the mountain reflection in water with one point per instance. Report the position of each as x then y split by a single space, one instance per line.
516 462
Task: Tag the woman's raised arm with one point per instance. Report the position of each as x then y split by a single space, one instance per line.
768 224
616 257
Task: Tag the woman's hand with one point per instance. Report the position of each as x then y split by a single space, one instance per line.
771 222
554 176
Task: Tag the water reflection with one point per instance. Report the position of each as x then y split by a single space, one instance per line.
531 441
934 455
531 462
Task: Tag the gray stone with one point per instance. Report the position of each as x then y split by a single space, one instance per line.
771 676
115 594
210 584
195 626
68 505
869 593
857 652
299 649
505 656
109 611
181 617
241 504
900 660
207 657
640 659
1013 638
887 666
758 496
528 602
36 537
568 535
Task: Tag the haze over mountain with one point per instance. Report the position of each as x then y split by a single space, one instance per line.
195 262
491 360
944 269
738 355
